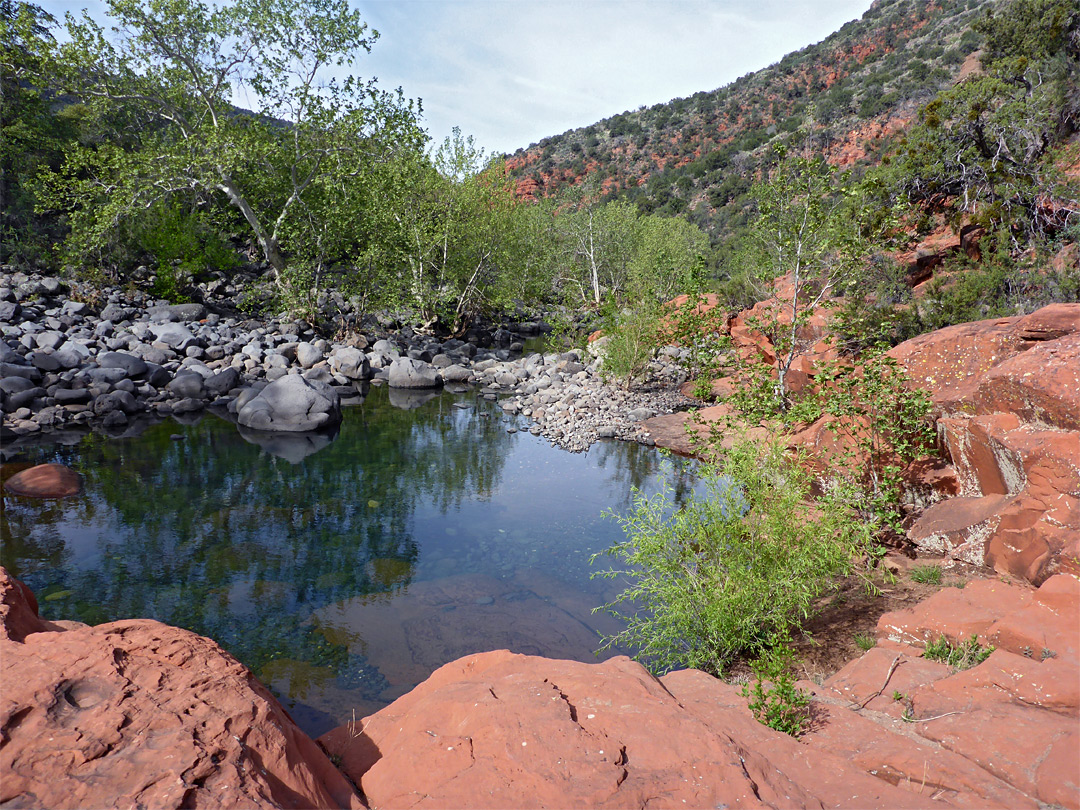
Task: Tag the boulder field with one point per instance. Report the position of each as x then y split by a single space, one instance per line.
136 713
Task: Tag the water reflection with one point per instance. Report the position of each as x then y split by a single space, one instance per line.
341 571
293 447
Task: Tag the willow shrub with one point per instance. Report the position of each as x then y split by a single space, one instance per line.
733 572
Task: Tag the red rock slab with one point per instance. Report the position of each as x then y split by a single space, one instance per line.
45 481
978 451
1050 624
972 715
139 714
840 780
1050 323
956 613
674 431
1052 684
950 362
1041 384
927 481
19 610
1029 544
893 753
505 730
873 673
829 448
959 528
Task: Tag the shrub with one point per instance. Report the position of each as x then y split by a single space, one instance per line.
732 572
774 699
630 347
962 655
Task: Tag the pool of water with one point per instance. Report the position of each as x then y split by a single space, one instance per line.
342 572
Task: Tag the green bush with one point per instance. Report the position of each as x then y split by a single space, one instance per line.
733 571
630 346
774 699
185 244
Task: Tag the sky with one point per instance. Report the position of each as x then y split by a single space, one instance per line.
510 72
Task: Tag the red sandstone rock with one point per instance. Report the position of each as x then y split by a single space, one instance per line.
1040 385
957 613
45 481
1029 524
927 481
504 730
139 714
1008 392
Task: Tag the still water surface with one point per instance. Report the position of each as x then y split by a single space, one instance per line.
343 574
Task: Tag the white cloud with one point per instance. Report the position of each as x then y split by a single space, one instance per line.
511 72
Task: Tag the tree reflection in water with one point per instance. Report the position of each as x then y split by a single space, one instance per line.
243 537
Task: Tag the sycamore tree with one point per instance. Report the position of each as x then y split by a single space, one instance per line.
804 234
167 87
453 230
598 242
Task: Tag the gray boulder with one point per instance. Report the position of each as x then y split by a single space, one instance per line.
177 312
9 311
116 313
9 355
186 385
104 375
291 404
222 382
351 363
13 385
132 365
307 355
44 362
49 339
116 401
456 373
173 335
408 373
67 358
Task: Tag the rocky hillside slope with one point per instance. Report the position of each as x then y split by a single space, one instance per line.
697 155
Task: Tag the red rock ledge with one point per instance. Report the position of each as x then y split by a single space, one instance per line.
501 730
140 714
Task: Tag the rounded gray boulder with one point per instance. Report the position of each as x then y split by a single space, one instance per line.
408 373
291 404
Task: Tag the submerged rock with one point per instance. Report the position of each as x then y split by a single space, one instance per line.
45 481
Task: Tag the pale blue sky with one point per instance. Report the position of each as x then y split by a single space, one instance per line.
510 72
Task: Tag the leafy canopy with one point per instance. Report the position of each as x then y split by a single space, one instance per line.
161 86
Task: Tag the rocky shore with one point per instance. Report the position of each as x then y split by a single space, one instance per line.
73 357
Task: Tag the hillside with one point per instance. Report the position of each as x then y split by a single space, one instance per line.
697 156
